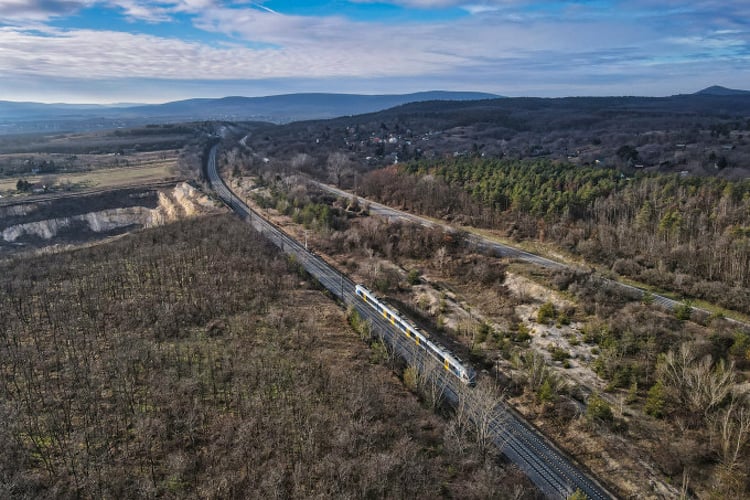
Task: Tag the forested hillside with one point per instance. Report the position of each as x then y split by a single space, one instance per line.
195 361
687 234
704 135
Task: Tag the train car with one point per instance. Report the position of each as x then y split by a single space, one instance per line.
448 360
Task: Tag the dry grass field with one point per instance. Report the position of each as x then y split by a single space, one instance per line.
107 178
95 160
87 171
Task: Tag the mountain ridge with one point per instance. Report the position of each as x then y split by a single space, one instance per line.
25 117
721 91
278 108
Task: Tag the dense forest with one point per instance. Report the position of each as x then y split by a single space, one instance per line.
687 234
194 360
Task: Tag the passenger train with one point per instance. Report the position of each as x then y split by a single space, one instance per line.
448 360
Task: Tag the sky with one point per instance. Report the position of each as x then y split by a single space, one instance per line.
148 51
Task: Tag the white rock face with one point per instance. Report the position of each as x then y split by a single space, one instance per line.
183 201
98 222
46 229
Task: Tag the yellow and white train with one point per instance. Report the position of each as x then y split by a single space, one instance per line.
447 359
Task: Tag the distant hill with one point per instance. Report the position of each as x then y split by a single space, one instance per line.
32 110
565 113
723 91
293 107
29 116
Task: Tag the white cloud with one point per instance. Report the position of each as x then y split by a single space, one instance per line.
108 54
324 47
142 11
420 4
473 6
18 11
492 51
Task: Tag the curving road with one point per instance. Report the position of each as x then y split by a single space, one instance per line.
502 250
547 467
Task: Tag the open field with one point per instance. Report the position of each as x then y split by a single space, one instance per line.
107 178
149 138
17 165
96 160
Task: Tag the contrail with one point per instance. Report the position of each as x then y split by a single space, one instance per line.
263 7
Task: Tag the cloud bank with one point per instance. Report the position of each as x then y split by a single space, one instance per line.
510 47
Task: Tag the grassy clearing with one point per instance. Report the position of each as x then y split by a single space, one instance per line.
109 178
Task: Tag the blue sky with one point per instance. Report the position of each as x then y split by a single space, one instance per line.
106 51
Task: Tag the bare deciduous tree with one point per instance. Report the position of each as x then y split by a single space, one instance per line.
300 161
481 414
536 372
699 383
338 164
441 258
432 385
732 427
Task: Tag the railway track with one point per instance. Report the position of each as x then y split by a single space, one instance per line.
551 470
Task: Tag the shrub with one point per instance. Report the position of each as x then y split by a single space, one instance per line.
546 313
683 311
598 409
23 185
522 333
414 277
411 378
656 400
546 392
483 331
562 319
741 346
577 495
626 267
559 354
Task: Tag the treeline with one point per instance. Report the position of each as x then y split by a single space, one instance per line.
538 188
186 361
687 234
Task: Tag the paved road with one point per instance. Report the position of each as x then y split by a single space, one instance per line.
547 467
502 250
